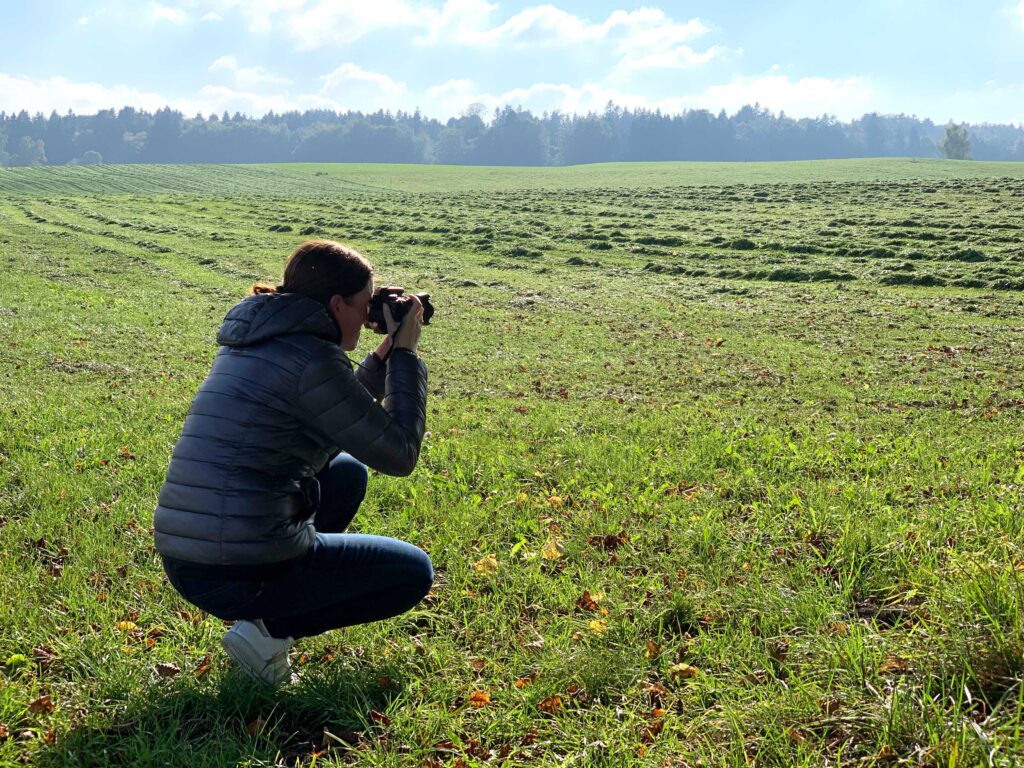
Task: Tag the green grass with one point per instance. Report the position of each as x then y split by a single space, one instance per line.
324 179
771 413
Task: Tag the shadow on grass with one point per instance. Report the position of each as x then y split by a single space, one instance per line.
236 722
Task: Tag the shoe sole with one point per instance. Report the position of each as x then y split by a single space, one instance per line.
241 652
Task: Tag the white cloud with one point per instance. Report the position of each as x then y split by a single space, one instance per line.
58 93
216 98
247 77
159 12
83 20
338 22
356 88
807 97
642 39
635 40
468 22
1019 10
452 98
993 102
212 16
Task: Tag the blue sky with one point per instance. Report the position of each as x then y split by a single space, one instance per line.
941 60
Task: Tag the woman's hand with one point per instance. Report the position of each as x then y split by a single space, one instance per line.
406 335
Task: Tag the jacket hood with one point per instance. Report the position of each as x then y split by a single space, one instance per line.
268 315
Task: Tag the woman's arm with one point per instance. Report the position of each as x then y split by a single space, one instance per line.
384 436
372 370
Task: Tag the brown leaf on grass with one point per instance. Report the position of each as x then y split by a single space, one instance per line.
682 671
894 666
651 731
205 664
657 693
480 699
652 650
525 680
552 705
587 602
488 564
378 717
42 705
608 542
167 669
45 656
255 727
4 733
50 738
553 549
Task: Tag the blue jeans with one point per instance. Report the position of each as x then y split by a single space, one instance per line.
345 579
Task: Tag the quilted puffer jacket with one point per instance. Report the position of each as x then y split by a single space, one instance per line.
281 399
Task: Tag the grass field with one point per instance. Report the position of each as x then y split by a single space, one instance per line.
724 466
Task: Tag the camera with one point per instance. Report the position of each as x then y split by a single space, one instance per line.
392 296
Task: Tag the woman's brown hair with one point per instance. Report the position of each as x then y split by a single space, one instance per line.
321 269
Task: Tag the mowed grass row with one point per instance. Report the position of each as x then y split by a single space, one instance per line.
676 518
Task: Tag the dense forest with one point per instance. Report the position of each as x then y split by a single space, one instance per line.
511 137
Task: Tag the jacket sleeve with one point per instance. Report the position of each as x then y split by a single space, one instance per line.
385 436
371 374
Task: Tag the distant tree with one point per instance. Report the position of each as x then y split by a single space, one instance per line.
4 157
957 144
29 152
450 147
590 139
515 138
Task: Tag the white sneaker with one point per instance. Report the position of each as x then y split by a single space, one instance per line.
259 655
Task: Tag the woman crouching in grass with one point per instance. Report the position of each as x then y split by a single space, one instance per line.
271 464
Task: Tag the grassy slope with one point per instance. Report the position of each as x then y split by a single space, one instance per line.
353 178
805 487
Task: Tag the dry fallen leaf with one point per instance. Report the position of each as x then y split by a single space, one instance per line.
522 682
599 627
653 649
487 564
480 699
42 705
552 705
588 602
126 626
204 666
682 671
167 669
555 501
553 550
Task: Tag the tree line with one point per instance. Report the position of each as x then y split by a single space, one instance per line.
512 136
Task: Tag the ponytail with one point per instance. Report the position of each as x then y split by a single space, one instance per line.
259 288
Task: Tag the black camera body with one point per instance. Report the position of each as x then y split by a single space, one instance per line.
393 296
